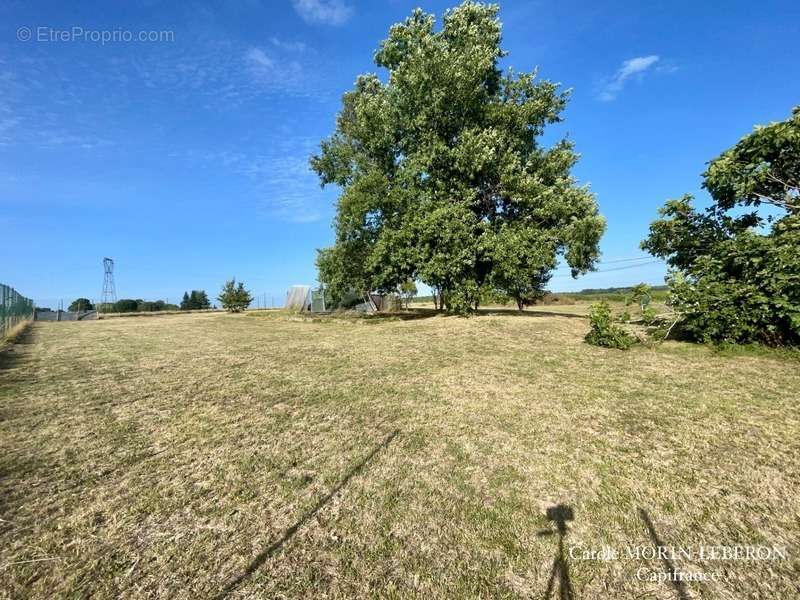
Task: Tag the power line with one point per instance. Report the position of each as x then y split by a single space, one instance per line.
626 267
651 262
637 260
631 259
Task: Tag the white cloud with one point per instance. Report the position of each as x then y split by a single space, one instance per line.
325 12
280 183
633 67
228 74
288 46
283 74
259 58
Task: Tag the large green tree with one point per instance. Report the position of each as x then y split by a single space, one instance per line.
736 271
443 178
763 167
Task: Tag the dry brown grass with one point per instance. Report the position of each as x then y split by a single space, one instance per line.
213 454
14 334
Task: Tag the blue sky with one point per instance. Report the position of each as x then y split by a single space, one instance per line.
185 158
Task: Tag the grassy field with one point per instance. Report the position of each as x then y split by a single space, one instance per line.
215 455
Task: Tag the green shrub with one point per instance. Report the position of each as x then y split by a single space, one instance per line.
464 298
747 291
233 297
735 275
603 331
81 304
639 295
649 315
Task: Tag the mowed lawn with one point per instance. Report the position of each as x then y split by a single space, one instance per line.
215 455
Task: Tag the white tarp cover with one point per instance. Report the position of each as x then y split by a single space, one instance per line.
299 297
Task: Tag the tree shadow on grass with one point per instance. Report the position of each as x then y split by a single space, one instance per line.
426 313
559 574
275 546
415 314
412 314
11 354
679 586
513 312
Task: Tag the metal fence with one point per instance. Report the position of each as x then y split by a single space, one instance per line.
14 309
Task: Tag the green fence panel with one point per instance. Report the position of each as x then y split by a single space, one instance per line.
14 309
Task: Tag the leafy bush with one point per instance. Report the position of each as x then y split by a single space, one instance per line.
639 295
603 331
125 305
81 304
234 297
464 299
747 290
407 289
649 315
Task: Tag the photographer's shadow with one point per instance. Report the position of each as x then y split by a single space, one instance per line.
559 574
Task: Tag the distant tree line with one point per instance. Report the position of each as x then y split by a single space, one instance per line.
615 290
233 297
138 305
197 300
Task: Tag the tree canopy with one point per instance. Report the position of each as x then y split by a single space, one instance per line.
197 300
234 297
764 167
80 305
443 178
734 277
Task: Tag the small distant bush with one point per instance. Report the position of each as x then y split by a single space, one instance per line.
81 305
640 296
234 297
603 331
407 290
